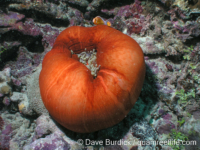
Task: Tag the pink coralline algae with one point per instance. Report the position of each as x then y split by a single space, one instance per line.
167 117
29 27
130 10
6 101
16 82
129 16
136 7
150 45
94 5
10 19
165 125
26 61
185 29
169 67
177 13
135 26
165 128
1 95
50 142
163 79
1 123
25 64
194 54
5 137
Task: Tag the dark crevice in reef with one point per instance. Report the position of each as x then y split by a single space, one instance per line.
34 44
194 16
166 6
13 108
22 20
106 5
42 17
2 27
54 1
176 59
166 17
4 5
155 56
1 104
78 7
103 15
115 3
192 41
8 55
151 4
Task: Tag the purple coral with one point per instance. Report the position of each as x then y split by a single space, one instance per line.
167 125
6 101
128 16
186 30
135 28
1 95
136 7
25 63
10 19
129 10
5 137
1 123
133 12
50 142
195 51
29 27
167 118
166 128
16 81
151 46
161 112
169 67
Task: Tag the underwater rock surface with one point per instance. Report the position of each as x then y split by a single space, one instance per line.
168 106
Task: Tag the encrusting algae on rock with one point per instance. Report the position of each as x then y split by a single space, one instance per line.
21 107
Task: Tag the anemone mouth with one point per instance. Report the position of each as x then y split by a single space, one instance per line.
88 58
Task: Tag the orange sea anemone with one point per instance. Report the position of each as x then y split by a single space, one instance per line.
73 97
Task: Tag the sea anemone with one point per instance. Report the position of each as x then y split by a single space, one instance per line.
79 101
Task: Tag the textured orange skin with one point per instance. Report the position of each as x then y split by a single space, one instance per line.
69 92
